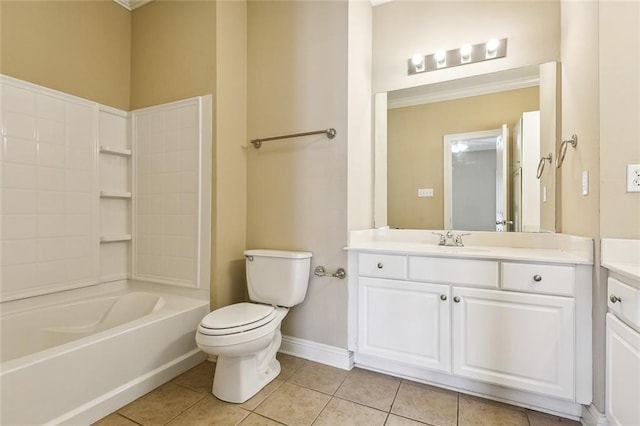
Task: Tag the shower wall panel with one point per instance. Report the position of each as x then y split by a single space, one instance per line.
172 186
48 227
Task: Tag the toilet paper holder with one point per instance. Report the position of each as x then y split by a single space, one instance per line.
321 272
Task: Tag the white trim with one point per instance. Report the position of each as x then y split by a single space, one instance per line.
591 416
131 4
464 92
318 352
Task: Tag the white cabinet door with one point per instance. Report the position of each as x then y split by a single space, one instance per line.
524 341
623 373
405 321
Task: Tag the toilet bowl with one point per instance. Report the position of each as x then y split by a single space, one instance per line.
245 337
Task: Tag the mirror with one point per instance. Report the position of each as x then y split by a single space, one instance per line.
416 128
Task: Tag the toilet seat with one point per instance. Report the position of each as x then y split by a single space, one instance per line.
237 318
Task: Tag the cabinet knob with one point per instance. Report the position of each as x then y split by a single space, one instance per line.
443 297
456 299
380 265
614 298
537 278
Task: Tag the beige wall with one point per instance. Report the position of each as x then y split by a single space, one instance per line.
619 24
77 47
297 188
579 213
403 28
415 149
230 182
173 51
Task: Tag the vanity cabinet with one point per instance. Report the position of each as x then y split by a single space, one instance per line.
524 341
623 353
405 321
517 331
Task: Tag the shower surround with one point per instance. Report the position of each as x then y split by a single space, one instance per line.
105 209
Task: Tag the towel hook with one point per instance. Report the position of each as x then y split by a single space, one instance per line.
563 149
541 164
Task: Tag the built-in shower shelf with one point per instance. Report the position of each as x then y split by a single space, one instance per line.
124 152
115 194
115 238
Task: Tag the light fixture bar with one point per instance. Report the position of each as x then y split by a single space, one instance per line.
467 54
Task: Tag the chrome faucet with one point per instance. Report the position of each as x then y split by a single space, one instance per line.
451 239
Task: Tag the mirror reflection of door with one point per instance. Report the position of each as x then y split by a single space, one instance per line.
475 180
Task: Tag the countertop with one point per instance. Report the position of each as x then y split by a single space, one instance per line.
622 257
548 255
509 246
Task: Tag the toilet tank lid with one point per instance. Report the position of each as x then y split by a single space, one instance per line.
278 253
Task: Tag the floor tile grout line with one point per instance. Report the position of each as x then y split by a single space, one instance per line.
186 409
130 419
395 396
321 411
342 398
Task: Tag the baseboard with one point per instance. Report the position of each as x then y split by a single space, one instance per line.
318 352
591 416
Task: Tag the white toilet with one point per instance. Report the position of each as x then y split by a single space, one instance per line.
246 336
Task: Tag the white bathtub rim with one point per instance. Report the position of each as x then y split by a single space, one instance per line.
34 358
114 288
175 305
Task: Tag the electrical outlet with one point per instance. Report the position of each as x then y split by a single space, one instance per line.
633 177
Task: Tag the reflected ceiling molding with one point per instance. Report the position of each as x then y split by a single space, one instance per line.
375 3
484 84
131 4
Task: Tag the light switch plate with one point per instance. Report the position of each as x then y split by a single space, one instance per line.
425 192
633 177
585 182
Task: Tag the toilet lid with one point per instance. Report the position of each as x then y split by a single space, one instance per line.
237 318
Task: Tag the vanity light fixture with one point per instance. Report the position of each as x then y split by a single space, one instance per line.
466 54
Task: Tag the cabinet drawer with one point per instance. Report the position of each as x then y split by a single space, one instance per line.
454 271
536 278
624 301
382 265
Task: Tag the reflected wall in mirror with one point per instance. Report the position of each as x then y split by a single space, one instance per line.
415 125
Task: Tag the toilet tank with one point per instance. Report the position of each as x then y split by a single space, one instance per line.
277 277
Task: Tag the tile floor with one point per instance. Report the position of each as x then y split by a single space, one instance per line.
308 393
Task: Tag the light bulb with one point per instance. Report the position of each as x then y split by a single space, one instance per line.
417 59
441 58
492 47
465 53
418 62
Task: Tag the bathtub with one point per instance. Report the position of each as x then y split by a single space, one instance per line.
74 357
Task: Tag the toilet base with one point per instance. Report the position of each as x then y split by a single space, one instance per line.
237 379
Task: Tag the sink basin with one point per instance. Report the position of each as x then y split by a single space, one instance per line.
456 249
